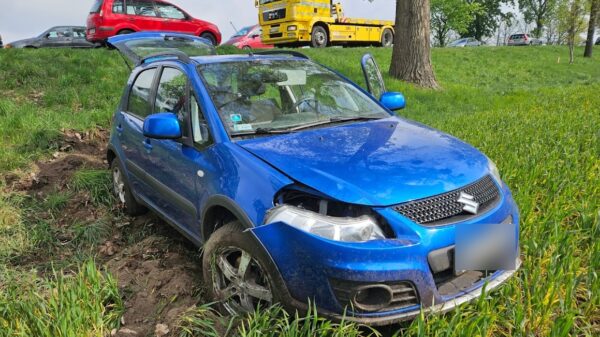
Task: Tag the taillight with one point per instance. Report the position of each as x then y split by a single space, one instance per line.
525 37
101 13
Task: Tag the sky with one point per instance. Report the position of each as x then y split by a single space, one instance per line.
21 19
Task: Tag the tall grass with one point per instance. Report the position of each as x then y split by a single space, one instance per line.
86 303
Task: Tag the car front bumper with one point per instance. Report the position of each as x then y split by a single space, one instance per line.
311 267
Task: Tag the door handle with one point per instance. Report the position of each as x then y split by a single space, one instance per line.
148 145
120 128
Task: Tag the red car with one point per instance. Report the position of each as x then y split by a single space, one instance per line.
113 17
248 38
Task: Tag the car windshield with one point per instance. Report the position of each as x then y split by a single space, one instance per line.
96 6
270 96
263 2
243 32
457 42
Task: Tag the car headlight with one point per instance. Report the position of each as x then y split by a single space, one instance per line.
360 229
494 171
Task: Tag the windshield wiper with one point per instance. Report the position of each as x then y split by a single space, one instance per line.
263 131
334 120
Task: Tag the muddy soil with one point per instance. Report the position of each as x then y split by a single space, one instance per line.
158 271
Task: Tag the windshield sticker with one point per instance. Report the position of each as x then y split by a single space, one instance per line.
242 127
236 118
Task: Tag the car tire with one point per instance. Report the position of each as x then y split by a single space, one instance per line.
232 288
122 190
210 37
387 38
247 48
319 37
125 31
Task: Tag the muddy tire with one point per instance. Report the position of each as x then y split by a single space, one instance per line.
387 38
237 271
122 191
319 37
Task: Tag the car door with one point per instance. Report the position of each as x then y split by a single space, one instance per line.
174 19
142 14
129 126
79 40
170 164
57 37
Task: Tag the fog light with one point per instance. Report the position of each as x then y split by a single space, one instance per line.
372 297
292 28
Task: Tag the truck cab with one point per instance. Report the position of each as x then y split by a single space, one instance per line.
319 23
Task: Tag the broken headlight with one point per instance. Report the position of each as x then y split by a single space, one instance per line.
347 229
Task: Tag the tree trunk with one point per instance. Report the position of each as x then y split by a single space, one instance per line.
411 58
589 43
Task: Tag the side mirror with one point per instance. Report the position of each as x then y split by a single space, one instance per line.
162 126
393 101
254 36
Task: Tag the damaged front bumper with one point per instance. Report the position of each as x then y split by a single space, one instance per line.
332 274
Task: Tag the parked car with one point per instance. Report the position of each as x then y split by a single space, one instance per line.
248 38
114 17
523 40
1 44
56 37
598 41
465 42
300 185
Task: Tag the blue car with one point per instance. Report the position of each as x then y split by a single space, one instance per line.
301 187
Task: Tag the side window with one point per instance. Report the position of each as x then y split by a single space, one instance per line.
140 8
79 32
59 33
199 125
171 96
169 11
118 7
139 98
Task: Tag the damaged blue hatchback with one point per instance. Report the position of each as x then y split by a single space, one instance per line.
301 187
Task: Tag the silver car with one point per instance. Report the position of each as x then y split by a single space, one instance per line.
523 40
465 42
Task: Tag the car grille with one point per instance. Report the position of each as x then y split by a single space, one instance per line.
404 294
274 15
444 208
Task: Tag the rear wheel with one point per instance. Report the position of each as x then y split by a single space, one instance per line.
125 31
247 48
122 191
387 38
319 37
235 271
209 37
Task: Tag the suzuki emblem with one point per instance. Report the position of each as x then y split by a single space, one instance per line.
468 202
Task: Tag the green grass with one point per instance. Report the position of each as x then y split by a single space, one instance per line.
537 118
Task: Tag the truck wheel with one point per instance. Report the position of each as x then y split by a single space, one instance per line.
319 37
235 271
387 38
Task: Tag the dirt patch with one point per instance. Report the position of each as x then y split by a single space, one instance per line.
158 271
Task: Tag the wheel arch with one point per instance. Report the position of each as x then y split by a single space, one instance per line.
218 211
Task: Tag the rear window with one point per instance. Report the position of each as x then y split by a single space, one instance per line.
96 7
517 36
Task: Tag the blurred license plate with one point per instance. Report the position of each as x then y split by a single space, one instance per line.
486 247
92 31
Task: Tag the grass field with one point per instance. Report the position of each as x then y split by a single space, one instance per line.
534 114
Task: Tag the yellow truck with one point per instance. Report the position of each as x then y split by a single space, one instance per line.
319 23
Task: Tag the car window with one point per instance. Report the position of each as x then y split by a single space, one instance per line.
283 94
171 95
118 7
169 11
59 33
139 98
199 125
140 8
79 32
96 7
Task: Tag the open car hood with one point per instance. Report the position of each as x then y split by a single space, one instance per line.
140 46
377 163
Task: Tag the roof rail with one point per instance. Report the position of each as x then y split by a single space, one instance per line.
181 56
282 52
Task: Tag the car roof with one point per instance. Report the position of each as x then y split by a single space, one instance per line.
243 57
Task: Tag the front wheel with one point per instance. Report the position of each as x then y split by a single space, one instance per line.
319 37
235 271
387 38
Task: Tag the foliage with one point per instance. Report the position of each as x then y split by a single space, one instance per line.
571 20
538 11
486 19
451 15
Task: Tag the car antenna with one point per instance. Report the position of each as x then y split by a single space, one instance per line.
232 25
